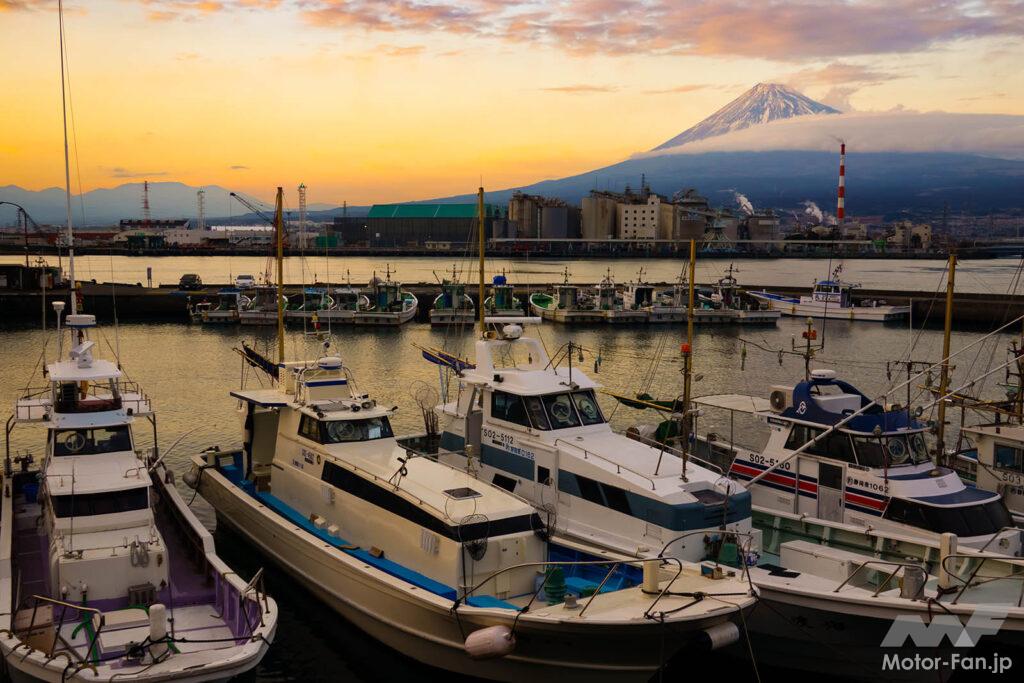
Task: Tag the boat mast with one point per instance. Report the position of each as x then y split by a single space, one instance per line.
279 236
480 237
688 361
67 167
940 444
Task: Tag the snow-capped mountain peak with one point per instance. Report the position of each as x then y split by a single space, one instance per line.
763 103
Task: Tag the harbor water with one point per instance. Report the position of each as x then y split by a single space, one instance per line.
189 370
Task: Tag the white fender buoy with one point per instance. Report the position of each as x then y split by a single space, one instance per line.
722 634
490 642
157 631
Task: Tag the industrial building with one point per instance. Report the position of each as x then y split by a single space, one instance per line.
533 216
400 225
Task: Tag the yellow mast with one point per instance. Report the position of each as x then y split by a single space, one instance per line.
688 359
279 235
940 444
481 236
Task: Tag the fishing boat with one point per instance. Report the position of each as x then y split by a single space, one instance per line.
615 307
109 574
222 312
452 306
260 308
385 303
669 306
313 305
832 299
105 573
430 560
724 304
990 450
569 304
502 302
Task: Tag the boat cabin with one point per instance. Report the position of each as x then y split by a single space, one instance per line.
875 470
537 429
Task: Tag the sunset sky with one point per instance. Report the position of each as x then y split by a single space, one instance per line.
366 101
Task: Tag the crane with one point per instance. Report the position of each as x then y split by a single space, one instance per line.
253 208
23 220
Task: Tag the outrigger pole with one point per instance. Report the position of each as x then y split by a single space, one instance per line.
940 441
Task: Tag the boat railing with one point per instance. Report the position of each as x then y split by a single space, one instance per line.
975 580
614 567
94 637
690 457
619 467
256 591
879 565
996 535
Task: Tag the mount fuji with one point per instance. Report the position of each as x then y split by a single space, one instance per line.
763 103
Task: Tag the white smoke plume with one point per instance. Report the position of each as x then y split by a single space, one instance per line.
745 204
812 209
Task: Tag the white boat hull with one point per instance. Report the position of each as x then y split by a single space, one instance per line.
422 625
816 309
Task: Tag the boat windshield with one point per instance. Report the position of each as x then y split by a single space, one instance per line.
970 520
551 411
346 431
105 503
91 441
892 450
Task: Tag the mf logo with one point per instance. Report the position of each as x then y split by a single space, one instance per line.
984 622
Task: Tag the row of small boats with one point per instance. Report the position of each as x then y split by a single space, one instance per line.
384 302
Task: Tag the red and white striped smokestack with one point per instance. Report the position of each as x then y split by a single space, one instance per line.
841 199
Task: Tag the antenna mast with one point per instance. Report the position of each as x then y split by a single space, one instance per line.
279 230
480 237
67 167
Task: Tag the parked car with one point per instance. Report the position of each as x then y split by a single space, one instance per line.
245 282
190 281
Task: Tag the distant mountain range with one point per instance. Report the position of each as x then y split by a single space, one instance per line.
772 144
109 205
763 103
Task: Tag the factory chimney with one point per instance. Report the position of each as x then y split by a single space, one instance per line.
841 199
146 216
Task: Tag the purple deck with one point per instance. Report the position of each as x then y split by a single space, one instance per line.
191 582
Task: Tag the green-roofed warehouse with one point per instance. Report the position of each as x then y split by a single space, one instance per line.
395 225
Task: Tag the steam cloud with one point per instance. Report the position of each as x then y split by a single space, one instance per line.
745 205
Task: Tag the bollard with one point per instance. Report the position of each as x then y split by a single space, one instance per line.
651 570
947 547
157 631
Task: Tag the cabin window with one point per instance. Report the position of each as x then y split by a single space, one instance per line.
590 490
539 418
347 431
1009 457
543 475
561 411
586 406
106 503
309 428
508 407
507 483
92 441
970 520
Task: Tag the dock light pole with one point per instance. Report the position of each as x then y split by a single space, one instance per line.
940 442
480 228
